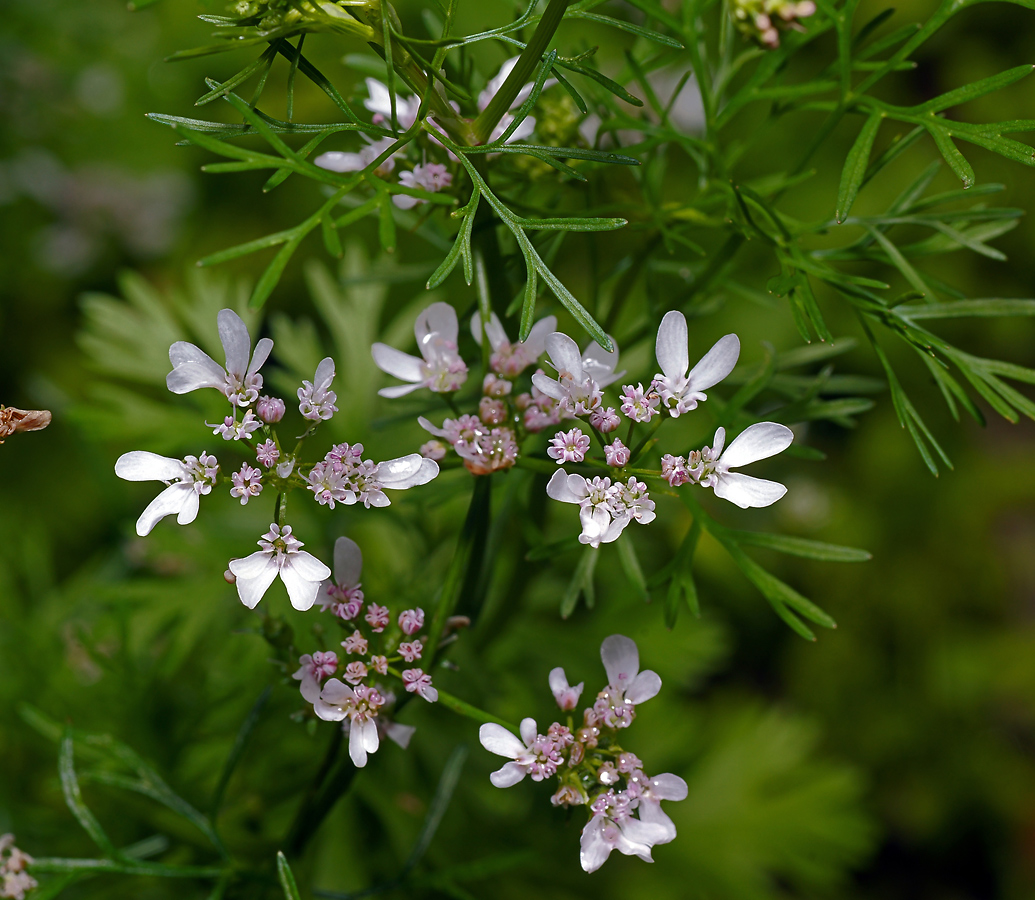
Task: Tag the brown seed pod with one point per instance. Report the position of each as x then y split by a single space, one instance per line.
13 420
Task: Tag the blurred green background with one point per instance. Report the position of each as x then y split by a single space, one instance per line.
891 759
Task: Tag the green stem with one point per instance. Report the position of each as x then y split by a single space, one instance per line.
521 74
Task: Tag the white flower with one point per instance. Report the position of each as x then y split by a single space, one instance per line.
651 792
240 381
507 358
341 161
616 829
680 392
534 754
580 376
605 508
188 479
301 572
431 177
316 399
621 661
567 697
441 369
758 441
337 701
379 102
527 125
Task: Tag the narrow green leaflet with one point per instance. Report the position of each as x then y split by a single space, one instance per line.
856 165
74 797
287 878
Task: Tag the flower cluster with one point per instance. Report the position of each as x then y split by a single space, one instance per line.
342 476
604 508
372 646
763 20
592 768
15 882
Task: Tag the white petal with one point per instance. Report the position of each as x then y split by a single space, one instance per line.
324 374
337 161
528 731
255 573
141 465
668 787
399 733
523 130
357 747
236 341
406 472
189 511
329 712
595 523
716 364
400 390
380 100
191 376
600 364
652 813
368 731
309 688
430 428
642 833
496 739
621 660
509 775
535 343
758 441
261 354
337 693
167 503
348 561
494 331
746 491
396 363
548 386
593 848
564 487
440 319
565 356
182 352
302 574
615 529
558 680
646 685
720 439
671 345
495 83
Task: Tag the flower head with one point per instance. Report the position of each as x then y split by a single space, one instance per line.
270 409
581 377
240 381
316 399
301 572
605 508
758 441
188 479
430 177
247 483
568 446
680 392
511 359
440 368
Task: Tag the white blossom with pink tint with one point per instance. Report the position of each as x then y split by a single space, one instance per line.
440 368
343 477
639 405
681 392
567 697
281 554
355 672
613 827
758 441
430 177
338 701
267 453
673 470
377 617
527 125
270 409
507 358
318 665
417 681
187 479
342 161
247 483
240 381
581 377
316 399
568 446
411 621
379 664
534 754
435 450
602 512
232 430
604 420
626 682
344 595
616 454
483 449
650 792
355 643
411 650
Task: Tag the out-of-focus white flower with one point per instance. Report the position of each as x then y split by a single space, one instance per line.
188 479
512 359
379 102
527 125
612 827
301 572
581 377
758 441
431 177
240 381
440 369
679 391
342 161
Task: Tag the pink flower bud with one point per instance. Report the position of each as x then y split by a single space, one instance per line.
492 412
435 450
604 420
617 454
411 620
270 409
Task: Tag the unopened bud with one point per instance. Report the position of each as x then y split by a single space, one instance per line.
270 409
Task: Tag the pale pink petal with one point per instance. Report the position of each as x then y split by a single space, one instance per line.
716 364
357 746
496 739
368 731
261 354
337 693
535 343
348 561
167 503
430 428
324 374
652 813
494 330
189 511
598 363
309 688
399 734
396 363
338 161
190 376
142 465
594 849
560 488
509 775
558 681
182 352
638 837
595 523
302 574
379 99
617 526
565 356
671 345
720 440
255 573
329 712
548 386
746 491
646 685
406 471
236 342
758 441
400 390
668 787
440 319
621 660
528 730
